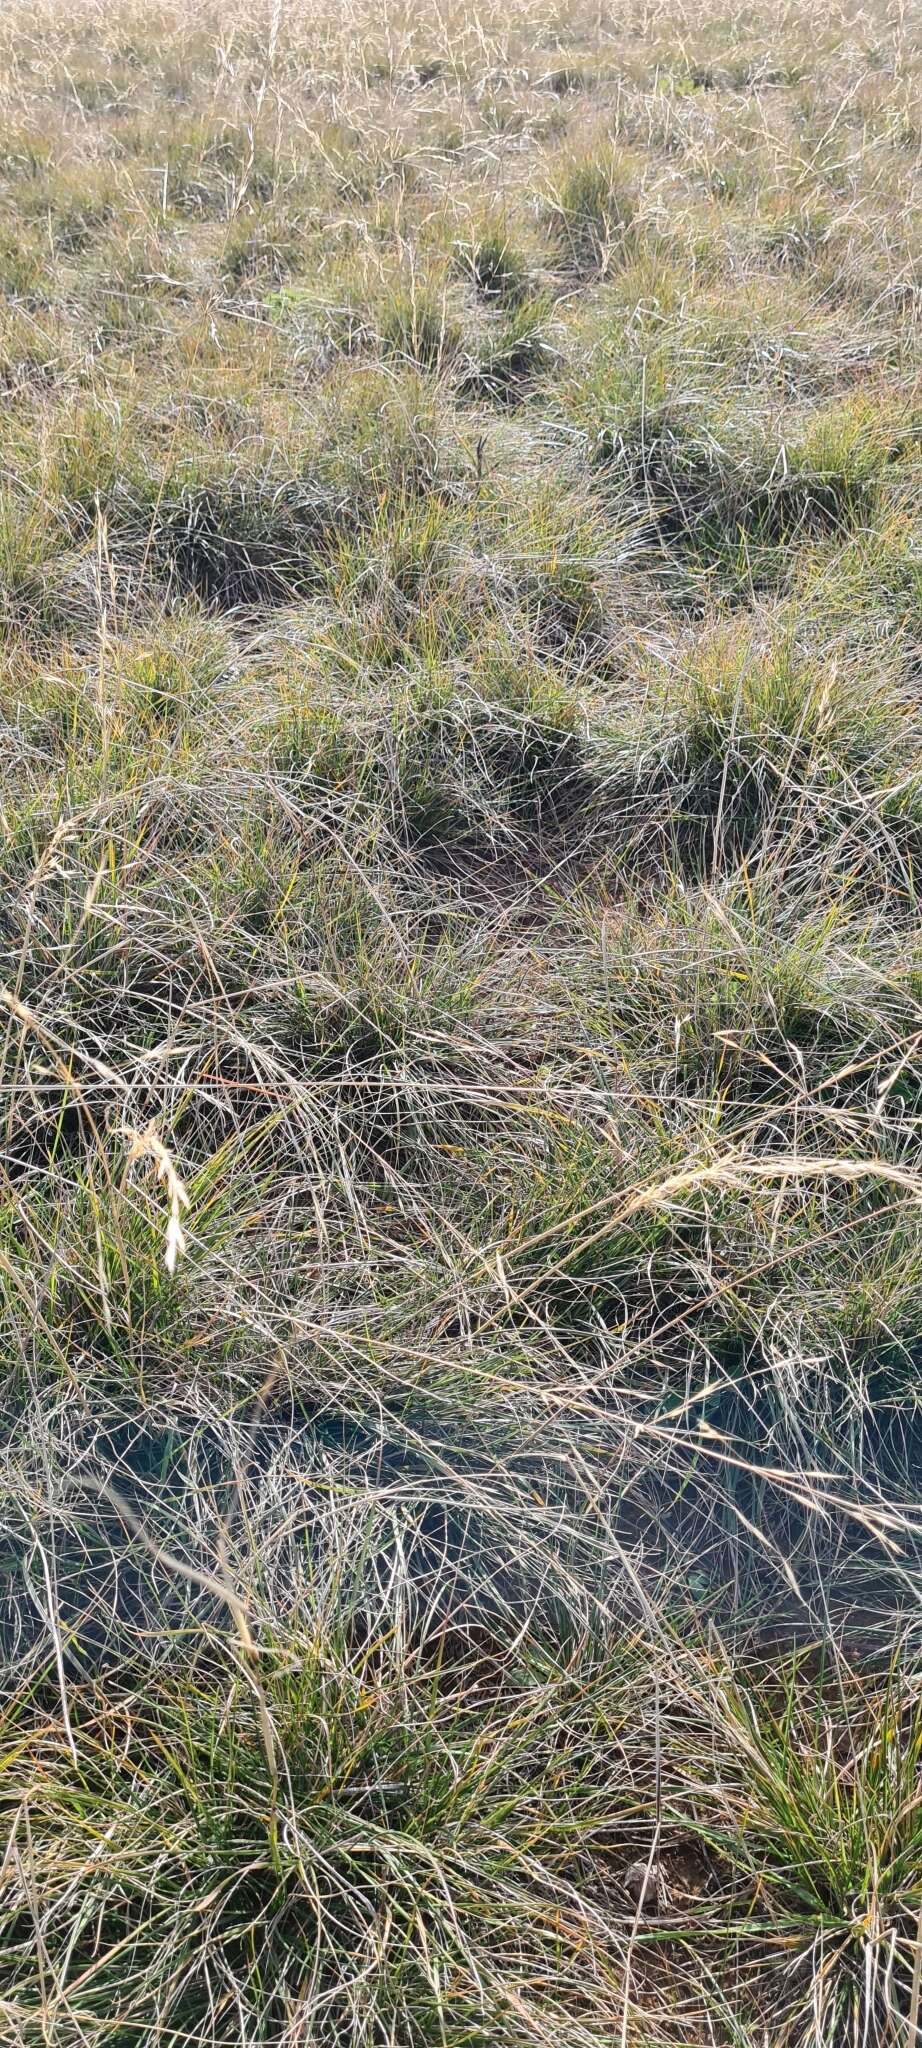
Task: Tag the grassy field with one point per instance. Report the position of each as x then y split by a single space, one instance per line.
460 1025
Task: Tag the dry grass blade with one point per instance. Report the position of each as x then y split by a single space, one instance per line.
147 1145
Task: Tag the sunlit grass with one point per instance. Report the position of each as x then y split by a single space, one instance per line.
460 1028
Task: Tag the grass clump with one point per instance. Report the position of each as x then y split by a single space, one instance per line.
768 750
513 355
831 1853
591 211
21 268
495 265
740 506
215 538
266 249
32 544
416 326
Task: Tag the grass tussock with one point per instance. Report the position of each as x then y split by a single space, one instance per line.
590 210
460 1029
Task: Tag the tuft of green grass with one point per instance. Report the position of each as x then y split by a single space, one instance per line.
591 210
21 268
495 265
416 326
513 354
266 248
818 1845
